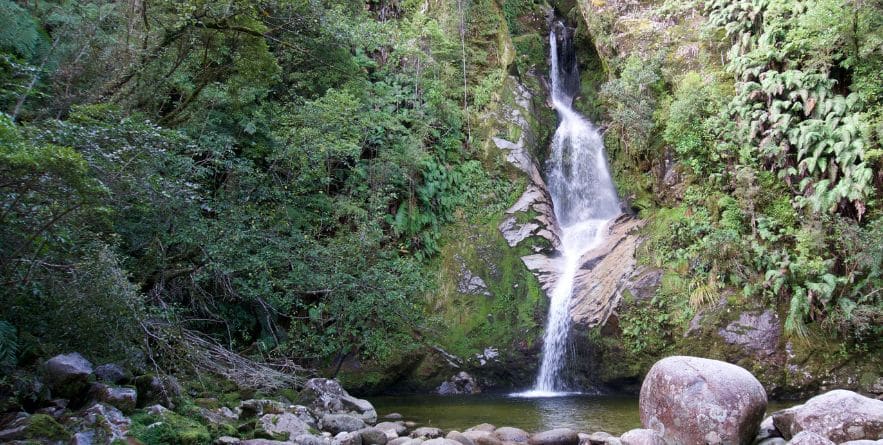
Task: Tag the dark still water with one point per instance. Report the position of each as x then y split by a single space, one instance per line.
583 413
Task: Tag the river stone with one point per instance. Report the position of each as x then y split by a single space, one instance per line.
341 423
863 442
373 436
68 375
510 434
227 440
259 407
483 427
427 432
351 438
264 442
809 438
696 400
124 399
558 436
394 416
308 439
459 437
480 437
441 441
839 415
597 438
771 441
642 437
392 429
399 441
326 396
286 424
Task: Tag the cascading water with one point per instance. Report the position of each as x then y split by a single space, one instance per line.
584 199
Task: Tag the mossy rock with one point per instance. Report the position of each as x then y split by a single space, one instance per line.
169 429
42 426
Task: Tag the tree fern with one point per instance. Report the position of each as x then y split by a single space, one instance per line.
8 345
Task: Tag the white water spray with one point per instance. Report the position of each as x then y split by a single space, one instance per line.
585 202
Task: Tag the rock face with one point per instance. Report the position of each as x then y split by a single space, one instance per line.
757 333
696 400
809 438
341 423
111 373
461 383
68 375
838 415
124 399
326 396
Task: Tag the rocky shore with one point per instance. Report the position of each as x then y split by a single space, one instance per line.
684 400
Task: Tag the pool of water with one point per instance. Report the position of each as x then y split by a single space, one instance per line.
584 413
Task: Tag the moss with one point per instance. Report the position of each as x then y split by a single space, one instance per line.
42 426
531 52
168 429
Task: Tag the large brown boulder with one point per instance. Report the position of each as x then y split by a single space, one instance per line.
696 400
838 415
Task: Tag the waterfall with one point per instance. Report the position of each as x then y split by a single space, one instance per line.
584 199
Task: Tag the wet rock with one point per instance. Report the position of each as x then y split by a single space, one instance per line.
838 415
340 423
373 436
461 383
482 437
392 429
124 399
284 425
459 437
427 432
393 416
767 430
863 442
809 438
510 434
14 427
227 440
68 375
111 373
326 396
642 437
559 436
757 333
696 400
483 427
771 441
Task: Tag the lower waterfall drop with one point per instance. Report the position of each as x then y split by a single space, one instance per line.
584 199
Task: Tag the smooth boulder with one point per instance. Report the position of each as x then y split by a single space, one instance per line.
341 423
642 437
373 436
68 375
510 434
697 400
427 432
326 396
809 438
838 415
558 436
123 399
285 424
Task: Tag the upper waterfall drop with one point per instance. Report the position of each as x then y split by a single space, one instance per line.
584 199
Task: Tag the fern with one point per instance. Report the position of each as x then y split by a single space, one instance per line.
8 345
18 30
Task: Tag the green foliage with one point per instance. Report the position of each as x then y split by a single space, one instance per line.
19 33
169 428
691 124
631 102
8 345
